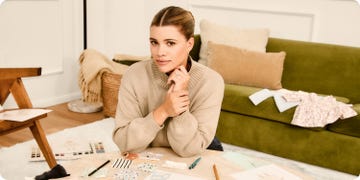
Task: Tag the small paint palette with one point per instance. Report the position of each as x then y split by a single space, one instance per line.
68 151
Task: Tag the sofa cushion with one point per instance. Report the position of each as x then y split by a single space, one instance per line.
350 126
128 59
320 68
245 67
251 39
236 99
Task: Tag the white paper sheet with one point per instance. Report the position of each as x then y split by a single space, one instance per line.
282 105
271 171
260 96
160 175
21 115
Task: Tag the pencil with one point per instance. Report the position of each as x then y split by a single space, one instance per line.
216 172
94 171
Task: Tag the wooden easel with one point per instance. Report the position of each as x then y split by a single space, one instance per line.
10 82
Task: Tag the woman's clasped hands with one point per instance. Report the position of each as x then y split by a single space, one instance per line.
177 98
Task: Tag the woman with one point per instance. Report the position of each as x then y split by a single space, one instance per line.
171 100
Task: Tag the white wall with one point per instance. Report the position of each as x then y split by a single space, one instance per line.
49 33
45 34
126 25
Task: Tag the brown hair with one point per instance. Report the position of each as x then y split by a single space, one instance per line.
177 16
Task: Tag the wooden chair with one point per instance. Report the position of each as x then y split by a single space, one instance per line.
10 82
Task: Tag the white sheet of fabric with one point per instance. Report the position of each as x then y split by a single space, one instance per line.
281 104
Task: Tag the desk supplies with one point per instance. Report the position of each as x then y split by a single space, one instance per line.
129 156
176 165
69 150
146 167
192 166
94 171
216 172
122 163
150 156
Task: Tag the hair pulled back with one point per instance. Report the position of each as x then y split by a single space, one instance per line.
177 16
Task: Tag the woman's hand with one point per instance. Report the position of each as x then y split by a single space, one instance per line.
177 98
180 77
176 102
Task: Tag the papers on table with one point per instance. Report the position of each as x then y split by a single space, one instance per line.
242 160
159 174
271 171
21 115
257 169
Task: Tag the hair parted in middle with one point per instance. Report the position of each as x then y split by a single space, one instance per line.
177 16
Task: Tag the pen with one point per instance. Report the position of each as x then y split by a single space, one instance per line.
194 163
94 171
216 172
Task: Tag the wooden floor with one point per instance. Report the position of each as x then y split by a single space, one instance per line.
58 119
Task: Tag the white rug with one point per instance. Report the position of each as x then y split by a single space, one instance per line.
14 161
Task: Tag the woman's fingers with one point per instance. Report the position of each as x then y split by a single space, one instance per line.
180 77
180 101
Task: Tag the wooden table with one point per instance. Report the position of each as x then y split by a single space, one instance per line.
203 170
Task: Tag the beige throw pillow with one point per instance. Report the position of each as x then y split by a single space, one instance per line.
251 39
244 67
129 57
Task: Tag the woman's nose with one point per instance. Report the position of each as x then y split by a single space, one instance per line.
161 50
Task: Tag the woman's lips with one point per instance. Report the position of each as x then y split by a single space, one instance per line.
162 62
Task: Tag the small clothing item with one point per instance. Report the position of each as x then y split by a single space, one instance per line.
312 110
317 111
143 89
56 172
216 145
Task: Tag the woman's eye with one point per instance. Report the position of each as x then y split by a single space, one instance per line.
153 43
170 43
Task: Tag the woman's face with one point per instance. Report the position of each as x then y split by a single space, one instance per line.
169 47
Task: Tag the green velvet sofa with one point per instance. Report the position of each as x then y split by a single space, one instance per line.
312 67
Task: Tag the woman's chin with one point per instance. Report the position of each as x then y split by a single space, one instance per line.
165 69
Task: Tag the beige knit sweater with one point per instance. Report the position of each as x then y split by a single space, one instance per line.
143 89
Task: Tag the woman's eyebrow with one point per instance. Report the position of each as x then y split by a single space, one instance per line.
153 39
170 40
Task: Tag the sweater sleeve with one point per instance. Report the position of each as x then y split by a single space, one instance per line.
192 132
133 131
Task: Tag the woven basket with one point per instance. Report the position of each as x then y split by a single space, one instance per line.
110 89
